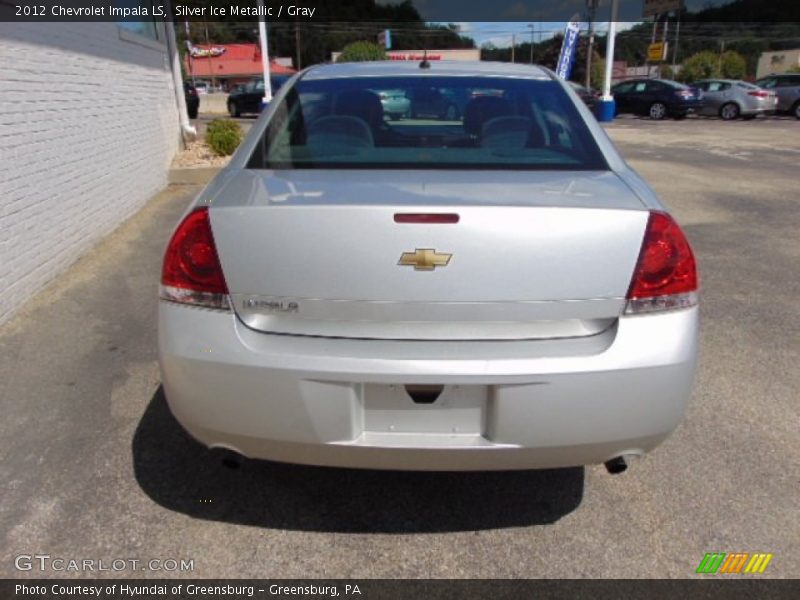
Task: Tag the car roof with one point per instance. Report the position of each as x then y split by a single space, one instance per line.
390 68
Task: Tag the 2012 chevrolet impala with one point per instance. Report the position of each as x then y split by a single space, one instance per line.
495 289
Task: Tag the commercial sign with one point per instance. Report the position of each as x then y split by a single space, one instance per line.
385 39
470 54
657 52
568 49
659 7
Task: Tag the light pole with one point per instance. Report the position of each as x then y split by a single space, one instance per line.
592 6
262 35
605 107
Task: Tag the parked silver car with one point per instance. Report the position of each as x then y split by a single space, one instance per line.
499 292
732 98
395 103
787 87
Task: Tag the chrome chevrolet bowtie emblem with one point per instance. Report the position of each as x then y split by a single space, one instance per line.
424 259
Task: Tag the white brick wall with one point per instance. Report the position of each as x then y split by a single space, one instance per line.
88 126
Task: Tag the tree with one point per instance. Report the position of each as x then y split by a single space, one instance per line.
361 51
703 65
734 65
665 72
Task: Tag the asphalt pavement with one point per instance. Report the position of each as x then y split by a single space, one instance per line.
92 465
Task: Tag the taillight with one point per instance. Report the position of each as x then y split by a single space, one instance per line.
666 274
426 218
192 273
758 94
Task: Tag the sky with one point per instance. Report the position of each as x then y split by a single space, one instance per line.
499 33
525 11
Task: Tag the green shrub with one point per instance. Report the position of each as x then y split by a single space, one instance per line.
707 65
703 65
733 65
223 136
361 51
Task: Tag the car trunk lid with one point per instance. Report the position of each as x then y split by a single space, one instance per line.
533 255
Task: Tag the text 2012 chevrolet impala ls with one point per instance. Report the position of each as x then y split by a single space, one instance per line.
495 289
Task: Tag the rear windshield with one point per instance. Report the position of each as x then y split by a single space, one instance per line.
427 123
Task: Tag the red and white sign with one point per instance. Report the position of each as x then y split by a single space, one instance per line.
418 55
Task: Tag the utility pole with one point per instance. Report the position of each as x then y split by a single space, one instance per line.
677 39
210 60
664 41
592 5
513 45
652 41
189 50
297 45
533 29
721 52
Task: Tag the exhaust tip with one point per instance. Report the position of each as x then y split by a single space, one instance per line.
616 465
228 458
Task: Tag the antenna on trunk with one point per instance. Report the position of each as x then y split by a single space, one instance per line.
425 64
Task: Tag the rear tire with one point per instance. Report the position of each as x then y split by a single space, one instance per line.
233 110
796 110
729 111
658 110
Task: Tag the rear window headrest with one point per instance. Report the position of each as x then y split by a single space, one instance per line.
344 128
363 104
483 108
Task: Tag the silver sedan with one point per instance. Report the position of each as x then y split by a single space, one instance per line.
498 292
731 99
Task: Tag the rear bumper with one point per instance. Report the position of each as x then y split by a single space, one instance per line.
684 108
505 405
757 110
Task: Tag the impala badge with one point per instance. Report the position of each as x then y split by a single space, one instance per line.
424 259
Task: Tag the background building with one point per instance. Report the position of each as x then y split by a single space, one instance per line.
229 64
778 62
89 123
459 54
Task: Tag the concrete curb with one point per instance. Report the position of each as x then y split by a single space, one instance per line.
192 175
215 104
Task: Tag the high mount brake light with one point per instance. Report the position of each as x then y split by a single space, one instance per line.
192 273
426 218
666 273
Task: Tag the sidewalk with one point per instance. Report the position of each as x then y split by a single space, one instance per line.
77 370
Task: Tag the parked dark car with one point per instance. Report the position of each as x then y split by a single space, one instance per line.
192 99
587 95
787 87
247 98
656 98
